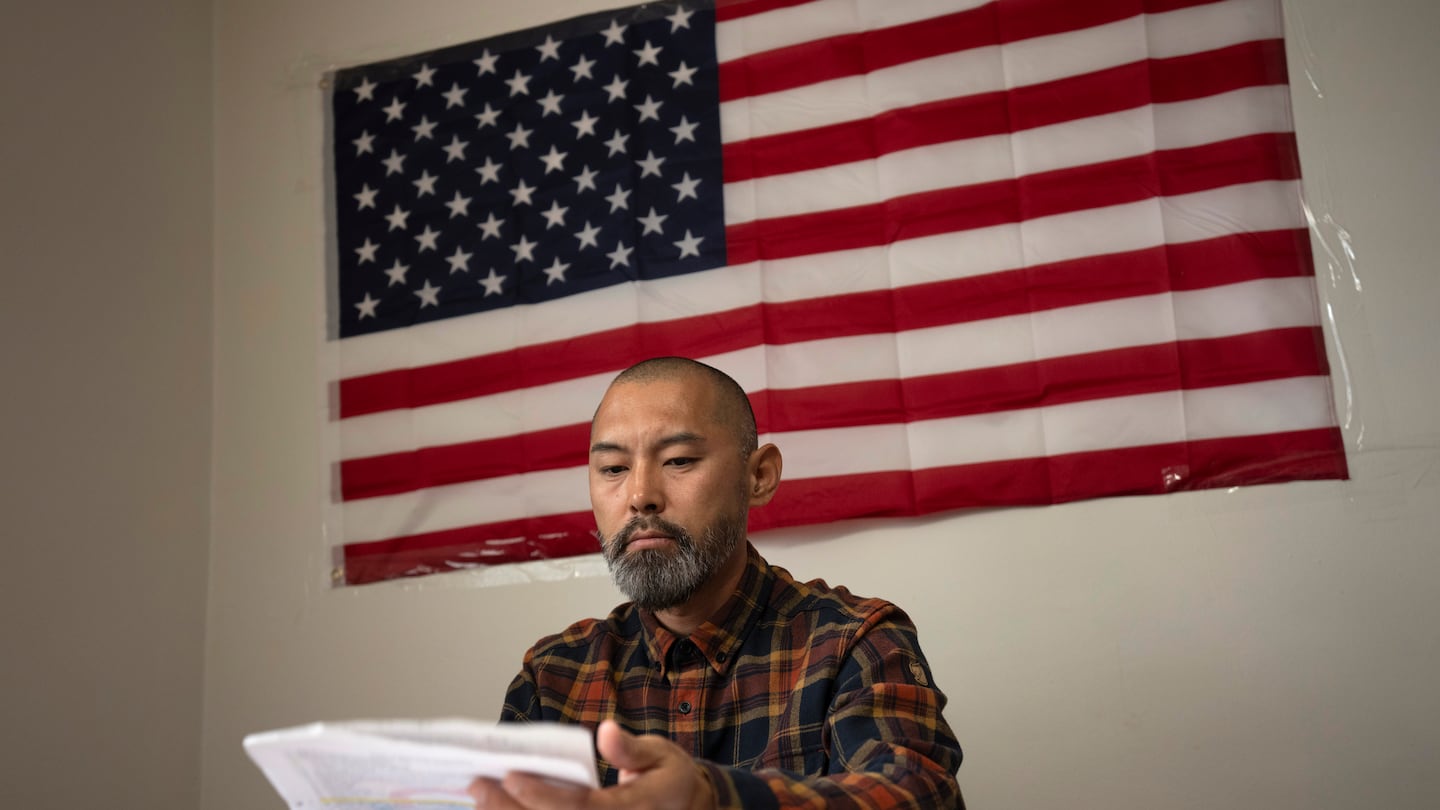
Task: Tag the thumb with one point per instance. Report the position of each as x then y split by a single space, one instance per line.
626 751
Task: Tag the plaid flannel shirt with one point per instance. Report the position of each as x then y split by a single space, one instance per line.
795 694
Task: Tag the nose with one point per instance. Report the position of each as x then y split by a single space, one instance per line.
647 494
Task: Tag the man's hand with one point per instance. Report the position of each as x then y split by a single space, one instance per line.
654 773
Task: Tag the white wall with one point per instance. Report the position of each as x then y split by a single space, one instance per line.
1268 648
105 417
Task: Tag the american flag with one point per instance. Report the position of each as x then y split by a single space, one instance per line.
960 253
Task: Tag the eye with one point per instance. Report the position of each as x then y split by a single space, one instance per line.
611 469
679 461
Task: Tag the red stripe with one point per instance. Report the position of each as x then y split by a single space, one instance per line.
1263 157
726 10
1300 455
1254 357
1197 265
541 538
1123 372
1155 81
541 363
1171 172
866 51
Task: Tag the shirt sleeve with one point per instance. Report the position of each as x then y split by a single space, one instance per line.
887 743
522 698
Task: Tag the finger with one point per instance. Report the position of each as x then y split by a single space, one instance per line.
491 795
626 751
539 793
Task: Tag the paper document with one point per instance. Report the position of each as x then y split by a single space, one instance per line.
409 763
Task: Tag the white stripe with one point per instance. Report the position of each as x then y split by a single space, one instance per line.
823 19
995 68
796 25
1127 134
552 492
1138 321
1119 422
1135 226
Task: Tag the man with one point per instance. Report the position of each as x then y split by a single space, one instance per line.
723 682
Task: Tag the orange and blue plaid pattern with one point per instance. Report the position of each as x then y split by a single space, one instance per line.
795 695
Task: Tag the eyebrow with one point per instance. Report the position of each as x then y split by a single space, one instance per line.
683 437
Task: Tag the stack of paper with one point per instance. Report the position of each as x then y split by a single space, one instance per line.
399 763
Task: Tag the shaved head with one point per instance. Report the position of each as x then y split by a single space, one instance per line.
732 405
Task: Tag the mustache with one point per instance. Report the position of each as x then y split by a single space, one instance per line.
650 524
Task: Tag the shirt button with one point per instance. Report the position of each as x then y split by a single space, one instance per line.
684 707
720 656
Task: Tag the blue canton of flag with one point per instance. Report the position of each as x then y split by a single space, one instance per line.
526 167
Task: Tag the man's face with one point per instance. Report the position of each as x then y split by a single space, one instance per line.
668 486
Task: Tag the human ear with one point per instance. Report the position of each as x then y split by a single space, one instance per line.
763 470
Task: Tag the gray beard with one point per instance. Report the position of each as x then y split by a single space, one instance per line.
660 578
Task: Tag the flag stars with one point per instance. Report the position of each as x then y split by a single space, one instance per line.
615 34
364 143
550 104
395 111
617 143
489 171
367 307
459 261
554 160
683 75
687 187
650 165
620 256
455 96
648 55
486 62
427 239
492 283
680 19
685 130
619 199
586 179
366 197
555 216
519 84
429 295
456 149
582 68
690 245
397 218
649 110
426 183
652 222
521 193
425 76
555 273
588 236
549 49
397 273
394 164
366 252
490 228
425 130
524 250
616 88
585 124
519 136
487 117
459 206
365 91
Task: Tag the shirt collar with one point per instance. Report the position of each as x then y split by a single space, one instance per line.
718 638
